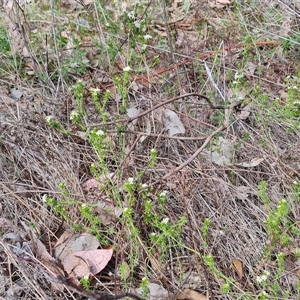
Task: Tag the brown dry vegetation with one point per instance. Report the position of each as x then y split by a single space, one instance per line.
238 156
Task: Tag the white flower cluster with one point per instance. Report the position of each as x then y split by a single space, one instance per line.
49 119
74 114
95 90
163 194
44 198
130 14
147 37
100 132
263 277
165 221
130 180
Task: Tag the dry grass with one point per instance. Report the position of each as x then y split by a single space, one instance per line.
35 159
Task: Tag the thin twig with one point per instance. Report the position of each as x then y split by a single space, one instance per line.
129 120
228 111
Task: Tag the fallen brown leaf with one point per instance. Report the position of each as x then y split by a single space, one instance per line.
191 295
238 265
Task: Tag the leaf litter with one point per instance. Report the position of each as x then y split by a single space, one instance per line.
208 187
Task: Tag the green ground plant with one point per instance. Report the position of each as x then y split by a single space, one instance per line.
176 221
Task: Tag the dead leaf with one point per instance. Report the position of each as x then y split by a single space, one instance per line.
70 243
250 68
94 183
253 163
191 294
244 113
172 122
75 266
13 236
223 152
44 256
83 263
133 112
156 292
235 95
238 265
241 192
16 94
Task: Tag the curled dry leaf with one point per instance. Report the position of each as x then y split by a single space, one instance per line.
244 113
238 265
253 163
83 263
69 243
190 295
13 236
51 268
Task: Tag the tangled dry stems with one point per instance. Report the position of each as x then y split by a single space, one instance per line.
35 159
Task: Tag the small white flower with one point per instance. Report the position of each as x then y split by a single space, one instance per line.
263 295
131 15
238 75
74 114
263 277
153 150
137 24
130 180
49 119
144 185
260 279
153 234
95 90
44 198
295 87
83 205
147 37
127 69
281 203
165 221
125 209
100 132
163 194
